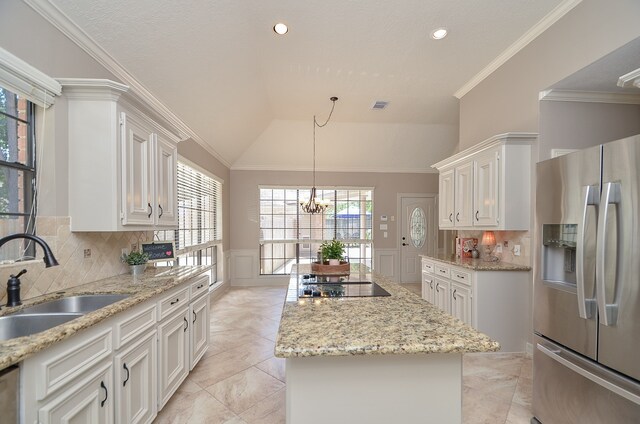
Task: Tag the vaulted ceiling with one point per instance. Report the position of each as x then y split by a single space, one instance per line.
250 94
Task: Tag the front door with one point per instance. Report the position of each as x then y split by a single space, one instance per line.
417 235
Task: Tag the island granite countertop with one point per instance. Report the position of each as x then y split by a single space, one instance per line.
153 282
477 264
402 323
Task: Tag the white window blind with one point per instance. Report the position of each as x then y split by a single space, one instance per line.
199 210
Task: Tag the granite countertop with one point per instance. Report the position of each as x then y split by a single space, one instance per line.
478 264
402 323
153 282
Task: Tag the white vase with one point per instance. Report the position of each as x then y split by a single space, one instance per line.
137 269
334 261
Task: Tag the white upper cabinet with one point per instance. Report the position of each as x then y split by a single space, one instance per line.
446 199
488 186
122 163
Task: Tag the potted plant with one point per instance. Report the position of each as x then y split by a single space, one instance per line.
136 260
333 251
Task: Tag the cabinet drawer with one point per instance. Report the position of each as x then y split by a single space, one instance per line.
460 276
64 362
134 324
442 271
170 303
427 266
199 287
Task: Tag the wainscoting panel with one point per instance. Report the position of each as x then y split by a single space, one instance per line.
245 270
386 263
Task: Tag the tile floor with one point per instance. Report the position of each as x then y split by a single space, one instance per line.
239 381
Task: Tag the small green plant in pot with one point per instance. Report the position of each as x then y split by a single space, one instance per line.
136 260
333 251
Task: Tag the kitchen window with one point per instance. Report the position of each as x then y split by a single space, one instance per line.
289 236
17 173
199 230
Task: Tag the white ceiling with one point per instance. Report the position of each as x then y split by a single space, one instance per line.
219 67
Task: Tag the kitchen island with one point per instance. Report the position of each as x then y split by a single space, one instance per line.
372 359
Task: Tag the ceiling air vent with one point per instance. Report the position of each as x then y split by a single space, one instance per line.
379 105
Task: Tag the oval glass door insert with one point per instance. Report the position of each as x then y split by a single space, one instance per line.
418 228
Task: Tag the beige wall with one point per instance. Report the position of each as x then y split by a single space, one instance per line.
508 99
245 210
577 125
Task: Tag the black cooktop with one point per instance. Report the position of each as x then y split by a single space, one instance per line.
311 285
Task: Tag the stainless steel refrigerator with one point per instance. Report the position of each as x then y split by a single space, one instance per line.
587 286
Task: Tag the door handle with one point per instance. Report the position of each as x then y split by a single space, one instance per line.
608 312
454 294
150 210
477 219
585 306
161 210
451 217
127 370
106 394
437 285
194 317
458 217
404 244
186 324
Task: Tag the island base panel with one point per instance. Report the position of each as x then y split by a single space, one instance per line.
374 389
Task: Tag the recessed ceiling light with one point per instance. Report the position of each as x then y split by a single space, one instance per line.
439 34
280 28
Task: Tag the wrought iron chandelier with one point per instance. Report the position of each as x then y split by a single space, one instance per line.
315 205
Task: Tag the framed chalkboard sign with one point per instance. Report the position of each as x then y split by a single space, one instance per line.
159 251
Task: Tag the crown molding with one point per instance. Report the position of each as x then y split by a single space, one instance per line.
589 97
332 169
18 76
71 30
551 18
632 79
512 138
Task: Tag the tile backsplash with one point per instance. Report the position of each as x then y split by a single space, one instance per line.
523 238
71 251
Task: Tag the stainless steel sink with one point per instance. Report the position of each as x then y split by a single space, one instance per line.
13 326
74 304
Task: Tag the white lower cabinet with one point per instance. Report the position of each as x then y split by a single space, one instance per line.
199 330
493 302
123 369
136 381
461 302
87 400
173 354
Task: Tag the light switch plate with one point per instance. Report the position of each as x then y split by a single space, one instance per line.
516 250
498 248
383 227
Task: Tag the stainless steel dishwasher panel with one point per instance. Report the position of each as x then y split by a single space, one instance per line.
9 394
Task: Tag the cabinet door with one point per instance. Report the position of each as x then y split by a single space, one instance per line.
88 401
428 288
173 354
461 302
445 208
137 173
486 181
166 183
199 329
136 382
463 216
441 294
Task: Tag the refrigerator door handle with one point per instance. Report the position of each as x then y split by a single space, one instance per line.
559 356
608 312
585 306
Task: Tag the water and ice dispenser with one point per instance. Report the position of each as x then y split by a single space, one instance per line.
559 253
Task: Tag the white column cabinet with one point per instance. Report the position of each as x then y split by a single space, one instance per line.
199 330
166 182
88 401
136 382
441 295
464 190
122 163
173 354
461 302
445 198
488 186
485 191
